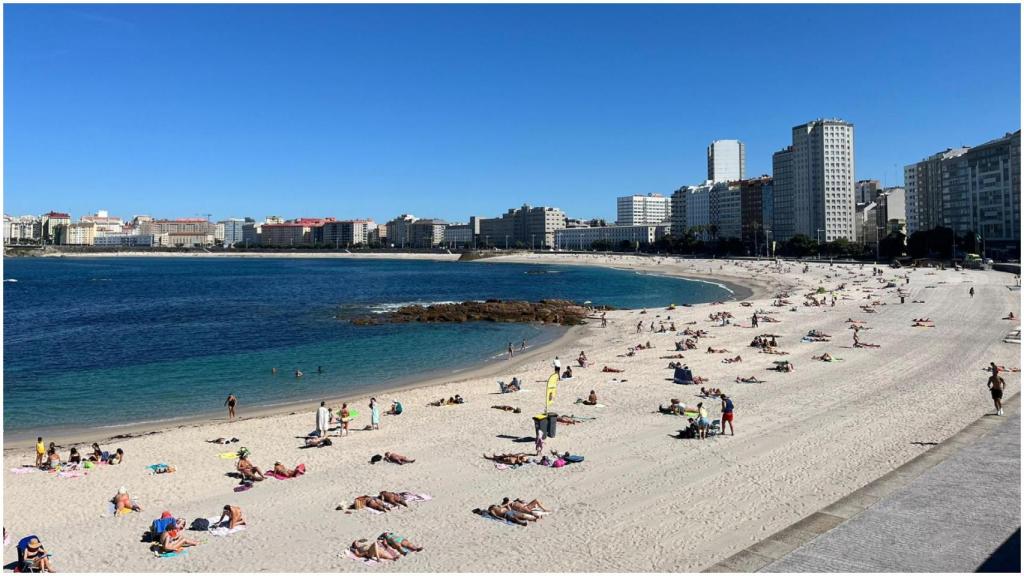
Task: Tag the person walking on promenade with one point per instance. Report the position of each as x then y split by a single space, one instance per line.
996 385
230 403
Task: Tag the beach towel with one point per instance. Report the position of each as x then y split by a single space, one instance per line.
222 529
70 474
154 467
501 466
228 455
243 487
299 471
170 554
498 520
352 556
413 497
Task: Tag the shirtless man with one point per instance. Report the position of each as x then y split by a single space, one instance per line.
371 502
230 403
396 458
233 516
996 385
393 498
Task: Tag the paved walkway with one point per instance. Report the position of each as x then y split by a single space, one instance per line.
954 508
950 519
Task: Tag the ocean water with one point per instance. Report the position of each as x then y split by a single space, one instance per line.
103 342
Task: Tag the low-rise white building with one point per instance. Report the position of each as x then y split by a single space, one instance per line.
581 238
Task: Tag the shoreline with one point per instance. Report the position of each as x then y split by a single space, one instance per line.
477 370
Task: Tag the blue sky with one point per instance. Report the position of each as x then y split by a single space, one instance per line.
451 111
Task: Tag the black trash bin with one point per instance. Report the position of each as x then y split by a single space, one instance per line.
552 420
540 423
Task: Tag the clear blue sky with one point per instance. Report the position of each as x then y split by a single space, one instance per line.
448 111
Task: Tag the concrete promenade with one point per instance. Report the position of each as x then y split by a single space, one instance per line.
952 509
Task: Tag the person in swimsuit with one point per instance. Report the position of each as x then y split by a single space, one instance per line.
396 458
363 548
122 501
230 403
393 498
400 543
591 399
282 470
996 384
371 502
727 408
40 452
246 468
233 516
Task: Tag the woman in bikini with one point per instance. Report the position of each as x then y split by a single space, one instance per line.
399 543
375 550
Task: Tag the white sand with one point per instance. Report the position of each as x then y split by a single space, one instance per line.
641 501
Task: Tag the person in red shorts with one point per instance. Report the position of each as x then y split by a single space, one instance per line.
727 408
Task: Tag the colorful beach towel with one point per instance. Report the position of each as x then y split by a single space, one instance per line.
299 471
171 554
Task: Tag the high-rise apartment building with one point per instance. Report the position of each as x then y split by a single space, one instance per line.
726 161
231 231
818 187
867 190
528 226
970 190
638 210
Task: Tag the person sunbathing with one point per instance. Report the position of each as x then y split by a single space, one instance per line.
1010 317
509 459
371 502
591 399
440 402
825 357
282 470
927 324
922 319
568 373
246 468
222 440
520 507
393 498
36 557
699 380
751 379
671 357
568 420
505 513
732 360
396 458
375 550
232 515
784 366
399 543
531 505
674 407
507 408
716 350
613 370
866 345
122 502
774 351
172 540
318 442
818 334
117 458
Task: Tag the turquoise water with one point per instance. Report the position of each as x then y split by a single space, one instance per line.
112 341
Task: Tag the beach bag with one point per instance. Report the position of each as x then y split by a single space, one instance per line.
558 463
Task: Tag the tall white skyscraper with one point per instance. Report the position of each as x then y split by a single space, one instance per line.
727 160
815 196
639 210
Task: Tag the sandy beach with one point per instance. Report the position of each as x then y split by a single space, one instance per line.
641 500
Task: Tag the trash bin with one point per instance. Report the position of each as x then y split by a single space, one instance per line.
540 423
552 420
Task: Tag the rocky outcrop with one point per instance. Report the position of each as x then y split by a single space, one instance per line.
561 312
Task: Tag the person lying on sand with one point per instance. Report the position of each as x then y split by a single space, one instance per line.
530 506
613 370
712 392
122 501
568 420
751 379
222 441
232 515
246 468
318 442
399 543
282 470
927 324
374 550
825 357
774 351
732 360
393 498
520 507
674 407
922 319
507 408
506 513
395 458
866 345
510 459
371 502
672 357
818 334
783 366
716 350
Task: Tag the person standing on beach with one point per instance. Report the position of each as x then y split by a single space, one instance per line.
996 384
230 403
604 320
727 408
639 326
753 319
558 367
972 292
40 451
374 414
522 346
345 416
510 353
322 420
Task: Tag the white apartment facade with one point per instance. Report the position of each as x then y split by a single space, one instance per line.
726 161
581 238
638 210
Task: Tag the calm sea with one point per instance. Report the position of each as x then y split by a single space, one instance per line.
99 342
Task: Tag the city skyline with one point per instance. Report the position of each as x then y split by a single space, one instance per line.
99 116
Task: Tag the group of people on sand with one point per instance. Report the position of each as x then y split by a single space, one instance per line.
47 457
382 502
515 511
387 546
457 399
763 342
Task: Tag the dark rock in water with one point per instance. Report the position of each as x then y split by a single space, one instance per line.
561 312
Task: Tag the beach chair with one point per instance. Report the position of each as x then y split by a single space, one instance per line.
502 387
23 565
715 428
683 376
